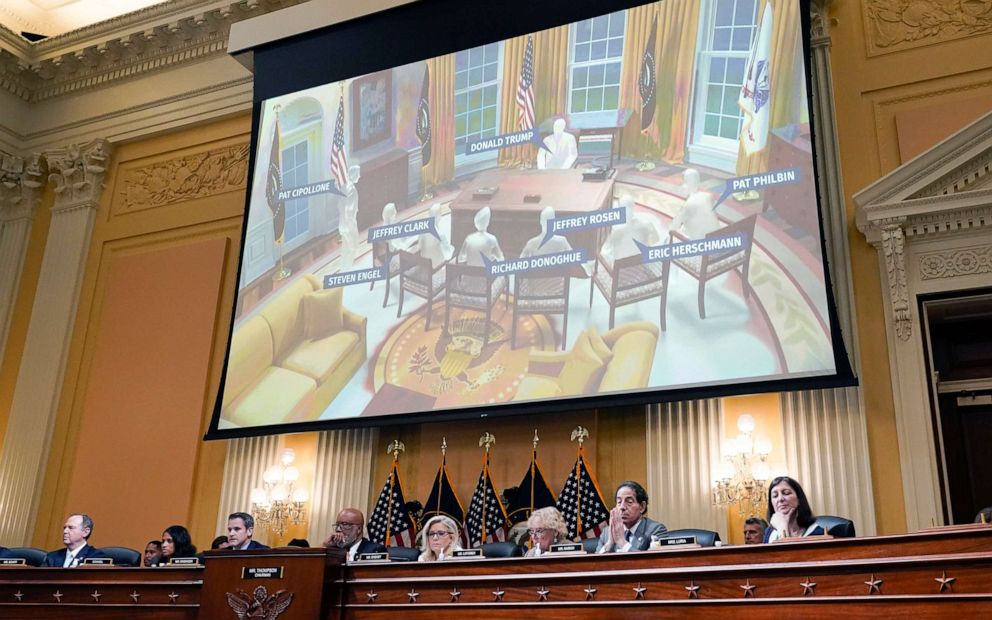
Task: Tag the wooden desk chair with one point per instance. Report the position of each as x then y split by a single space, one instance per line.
472 287
629 281
421 278
543 292
383 257
709 266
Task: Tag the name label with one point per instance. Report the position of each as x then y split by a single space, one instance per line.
468 553
13 562
261 572
566 548
373 557
98 561
184 562
681 540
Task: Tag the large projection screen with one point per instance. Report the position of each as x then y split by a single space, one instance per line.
518 207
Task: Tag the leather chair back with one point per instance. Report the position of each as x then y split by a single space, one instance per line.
705 538
590 544
33 557
502 550
403 554
838 527
123 556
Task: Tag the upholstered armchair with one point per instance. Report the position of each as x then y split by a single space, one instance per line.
421 278
471 287
630 280
544 292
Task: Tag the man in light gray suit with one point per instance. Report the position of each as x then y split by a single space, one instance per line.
629 529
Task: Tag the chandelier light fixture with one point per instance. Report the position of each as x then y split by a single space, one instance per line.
279 503
744 472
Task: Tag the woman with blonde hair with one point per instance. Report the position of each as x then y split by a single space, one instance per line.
440 539
546 527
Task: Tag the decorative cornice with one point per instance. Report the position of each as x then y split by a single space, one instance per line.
77 173
166 35
21 183
958 262
895 25
819 22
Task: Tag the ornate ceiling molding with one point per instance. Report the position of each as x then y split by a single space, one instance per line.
77 173
160 36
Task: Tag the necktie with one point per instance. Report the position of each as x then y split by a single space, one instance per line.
628 535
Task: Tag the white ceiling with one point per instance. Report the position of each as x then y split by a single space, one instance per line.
55 17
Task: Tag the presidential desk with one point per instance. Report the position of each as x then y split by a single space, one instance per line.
931 574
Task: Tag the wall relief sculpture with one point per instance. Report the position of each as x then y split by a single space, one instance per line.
893 25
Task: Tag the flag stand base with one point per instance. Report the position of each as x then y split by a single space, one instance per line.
747 196
282 272
645 166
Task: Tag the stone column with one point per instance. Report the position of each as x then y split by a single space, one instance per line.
77 174
20 192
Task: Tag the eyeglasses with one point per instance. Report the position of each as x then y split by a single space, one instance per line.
538 532
343 525
438 534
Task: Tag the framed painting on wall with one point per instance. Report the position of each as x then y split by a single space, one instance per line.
371 109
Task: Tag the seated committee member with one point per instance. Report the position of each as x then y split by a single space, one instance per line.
562 149
75 536
440 539
240 528
219 543
349 533
176 543
153 552
546 527
754 530
629 529
788 511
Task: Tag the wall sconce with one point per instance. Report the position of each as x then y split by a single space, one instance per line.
744 472
278 503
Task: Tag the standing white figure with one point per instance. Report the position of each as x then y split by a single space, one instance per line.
438 250
564 150
696 218
481 242
620 243
348 219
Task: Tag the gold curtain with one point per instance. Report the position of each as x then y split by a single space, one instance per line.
550 86
786 103
441 168
675 54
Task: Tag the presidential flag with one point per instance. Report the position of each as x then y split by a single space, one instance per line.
525 89
581 502
273 185
443 500
339 162
486 520
756 90
647 81
424 120
390 523
533 493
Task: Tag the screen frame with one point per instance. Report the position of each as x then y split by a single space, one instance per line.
450 21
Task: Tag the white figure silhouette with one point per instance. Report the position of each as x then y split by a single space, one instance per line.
696 218
438 250
348 218
563 147
620 242
480 243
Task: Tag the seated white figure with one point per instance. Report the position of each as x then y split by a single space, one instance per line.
429 246
620 243
557 243
389 217
348 218
480 243
696 218
564 149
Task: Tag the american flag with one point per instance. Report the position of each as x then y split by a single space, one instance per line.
581 503
339 162
525 89
390 509
486 520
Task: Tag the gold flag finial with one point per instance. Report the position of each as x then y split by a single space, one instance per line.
488 440
444 446
395 448
580 433
536 439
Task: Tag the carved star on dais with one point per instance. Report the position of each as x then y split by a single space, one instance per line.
173 597
808 587
639 591
96 595
590 593
455 595
693 589
873 585
946 583
748 588
19 595
498 595
58 596
413 594
135 596
372 594
542 594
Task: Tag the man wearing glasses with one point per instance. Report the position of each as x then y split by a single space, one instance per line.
349 533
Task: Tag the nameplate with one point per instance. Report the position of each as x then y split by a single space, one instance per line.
678 541
803 538
567 548
98 561
468 554
373 557
261 572
184 562
13 562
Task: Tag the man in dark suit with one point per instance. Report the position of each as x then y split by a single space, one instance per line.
75 536
349 533
629 529
240 529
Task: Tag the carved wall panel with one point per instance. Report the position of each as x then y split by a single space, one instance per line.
188 177
896 25
952 263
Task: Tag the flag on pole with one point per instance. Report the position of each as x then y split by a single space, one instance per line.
390 523
533 493
756 90
486 520
648 81
581 502
443 500
339 162
525 88
424 120
273 185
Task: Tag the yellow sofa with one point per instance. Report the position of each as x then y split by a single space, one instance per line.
619 360
289 361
